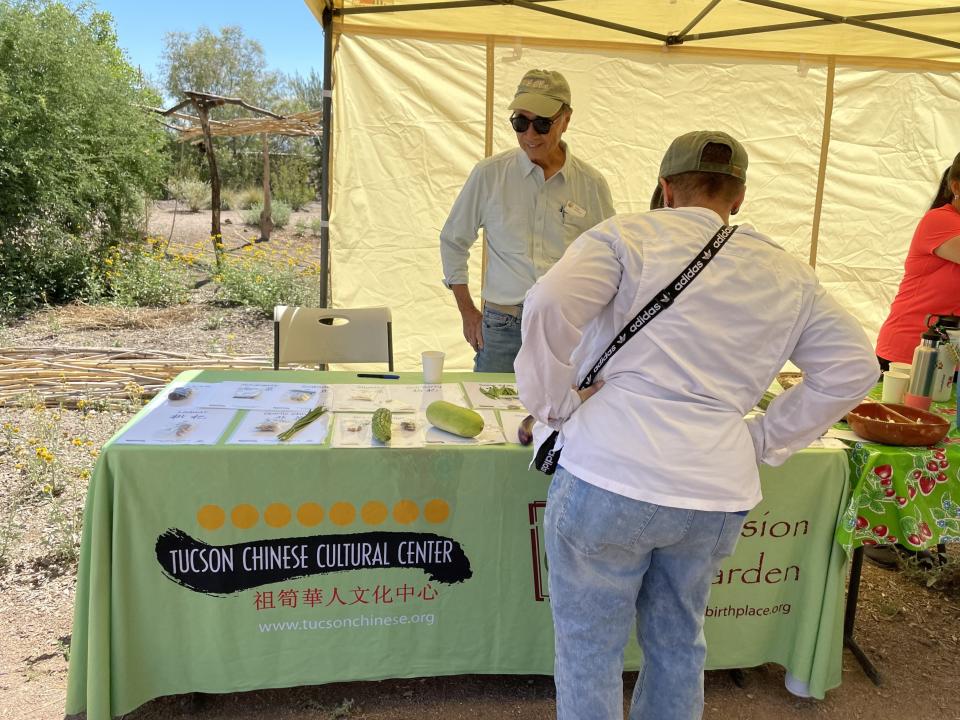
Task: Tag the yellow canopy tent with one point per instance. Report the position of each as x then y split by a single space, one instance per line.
848 110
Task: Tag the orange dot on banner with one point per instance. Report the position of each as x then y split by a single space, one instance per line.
211 517
244 516
276 515
436 511
374 512
310 514
342 513
405 512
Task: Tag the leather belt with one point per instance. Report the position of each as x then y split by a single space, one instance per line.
512 310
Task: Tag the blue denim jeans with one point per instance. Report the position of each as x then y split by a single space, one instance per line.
501 342
615 561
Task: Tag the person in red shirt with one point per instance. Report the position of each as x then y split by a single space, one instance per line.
931 284
931 277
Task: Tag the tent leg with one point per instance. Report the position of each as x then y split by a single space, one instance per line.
850 615
325 156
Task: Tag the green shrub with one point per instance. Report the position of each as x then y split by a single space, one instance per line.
142 277
943 576
289 183
195 194
76 149
77 152
44 265
240 199
261 279
229 199
279 210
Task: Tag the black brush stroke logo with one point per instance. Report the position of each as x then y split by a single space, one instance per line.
229 569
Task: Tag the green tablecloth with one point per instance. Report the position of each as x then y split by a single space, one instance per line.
905 495
451 575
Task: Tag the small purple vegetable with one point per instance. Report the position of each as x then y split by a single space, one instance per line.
525 431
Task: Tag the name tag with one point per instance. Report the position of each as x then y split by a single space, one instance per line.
574 210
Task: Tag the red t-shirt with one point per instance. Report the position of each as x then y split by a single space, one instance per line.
930 285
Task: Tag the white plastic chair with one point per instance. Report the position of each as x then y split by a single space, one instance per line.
321 336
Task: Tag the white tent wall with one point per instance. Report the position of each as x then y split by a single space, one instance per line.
409 121
893 132
410 124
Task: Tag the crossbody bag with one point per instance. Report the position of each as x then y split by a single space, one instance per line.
548 454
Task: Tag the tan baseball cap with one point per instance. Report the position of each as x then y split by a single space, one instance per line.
541 92
685 152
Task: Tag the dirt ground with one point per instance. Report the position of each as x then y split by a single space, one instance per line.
912 633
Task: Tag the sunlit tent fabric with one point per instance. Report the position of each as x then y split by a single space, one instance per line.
849 111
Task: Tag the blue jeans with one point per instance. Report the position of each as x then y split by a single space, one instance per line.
501 342
613 561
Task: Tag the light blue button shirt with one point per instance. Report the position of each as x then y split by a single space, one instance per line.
529 221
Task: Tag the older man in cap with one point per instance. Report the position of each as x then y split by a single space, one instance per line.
533 201
688 321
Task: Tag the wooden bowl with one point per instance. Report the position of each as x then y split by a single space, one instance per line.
874 422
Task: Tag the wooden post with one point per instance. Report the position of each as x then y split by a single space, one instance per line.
215 235
266 217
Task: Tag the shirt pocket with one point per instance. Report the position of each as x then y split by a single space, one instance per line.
570 228
508 229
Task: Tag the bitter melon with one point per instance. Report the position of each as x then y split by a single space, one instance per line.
380 424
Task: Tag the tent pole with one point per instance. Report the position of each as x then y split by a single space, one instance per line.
529 5
822 172
700 16
415 7
487 140
853 20
327 25
757 29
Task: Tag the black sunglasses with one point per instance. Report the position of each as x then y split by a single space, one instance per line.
541 125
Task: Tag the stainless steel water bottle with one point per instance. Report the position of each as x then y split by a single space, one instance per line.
947 326
924 368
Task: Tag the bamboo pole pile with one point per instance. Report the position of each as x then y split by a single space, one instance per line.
78 377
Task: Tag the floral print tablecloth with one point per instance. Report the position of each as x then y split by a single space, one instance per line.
905 495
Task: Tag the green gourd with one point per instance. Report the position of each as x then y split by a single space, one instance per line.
454 419
380 424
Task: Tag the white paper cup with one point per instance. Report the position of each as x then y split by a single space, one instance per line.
894 386
901 367
432 361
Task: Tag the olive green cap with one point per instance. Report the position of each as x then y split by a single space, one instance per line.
685 152
542 92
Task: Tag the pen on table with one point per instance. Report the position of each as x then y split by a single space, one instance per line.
383 376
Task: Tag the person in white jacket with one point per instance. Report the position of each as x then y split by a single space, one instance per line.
658 466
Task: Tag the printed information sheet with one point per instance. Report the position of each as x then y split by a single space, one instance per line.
510 420
173 426
264 396
419 396
261 427
367 398
500 396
